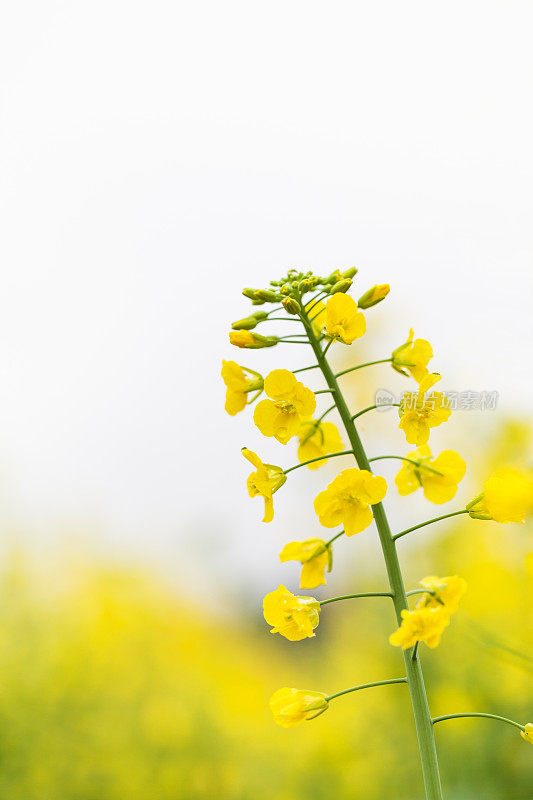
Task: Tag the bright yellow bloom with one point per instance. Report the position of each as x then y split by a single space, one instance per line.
318 439
314 557
291 706
420 412
293 617
317 315
528 733
344 322
438 477
421 625
412 357
265 481
251 340
291 400
445 593
238 385
507 496
348 498
374 295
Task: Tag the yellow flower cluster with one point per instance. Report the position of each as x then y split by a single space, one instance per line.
314 556
238 385
291 706
507 496
431 615
318 439
419 411
344 323
293 617
348 498
412 357
438 477
290 402
265 481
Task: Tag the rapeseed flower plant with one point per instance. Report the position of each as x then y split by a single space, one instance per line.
353 499
239 386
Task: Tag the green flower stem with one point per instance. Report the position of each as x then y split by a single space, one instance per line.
354 596
317 299
324 391
304 369
328 346
319 458
321 417
370 408
365 686
291 341
479 714
360 366
415 680
279 319
419 464
429 522
419 591
337 536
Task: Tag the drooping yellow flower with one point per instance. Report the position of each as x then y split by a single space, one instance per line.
438 477
528 733
314 557
412 357
291 706
348 498
445 593
507 496
424 624
265 481
344 322
281 416
317 315
238 385
293 617
253 341
318 439
419 412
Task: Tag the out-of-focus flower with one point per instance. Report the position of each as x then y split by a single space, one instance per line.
293 617
318 439
238 385
421 625
314 557
344 322
281 416
438 477
291 706
265 481
348 498
445 593
412 357
528 733
507 496
420 412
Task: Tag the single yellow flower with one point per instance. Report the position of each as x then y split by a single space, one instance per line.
238 385
507 496
291 706
265 481
281 416
412 357
318 439
528 733
314 557
445 592
374 295
419 412
254 341
348 498
317 315
438 477
344 322
293 617
421 625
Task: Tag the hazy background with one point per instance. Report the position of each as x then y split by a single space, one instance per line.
158 157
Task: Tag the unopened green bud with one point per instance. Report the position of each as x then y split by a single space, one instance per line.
291 305
305 286
259 315
253 341
333 278
258 302
267 295
341 286
245 324
349 273
285 289
374 295
250 293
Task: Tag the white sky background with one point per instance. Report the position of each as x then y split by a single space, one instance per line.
158 157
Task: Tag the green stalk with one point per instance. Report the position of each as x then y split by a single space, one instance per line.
415 680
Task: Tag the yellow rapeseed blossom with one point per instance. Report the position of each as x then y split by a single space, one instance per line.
317 315
318 439
253 341
315 558
419 412
445 592
412 357
424 624
291 706
238 385
265 481
507 496
348 498
438 477
374 295
344 322
281 416
293 617
528 733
